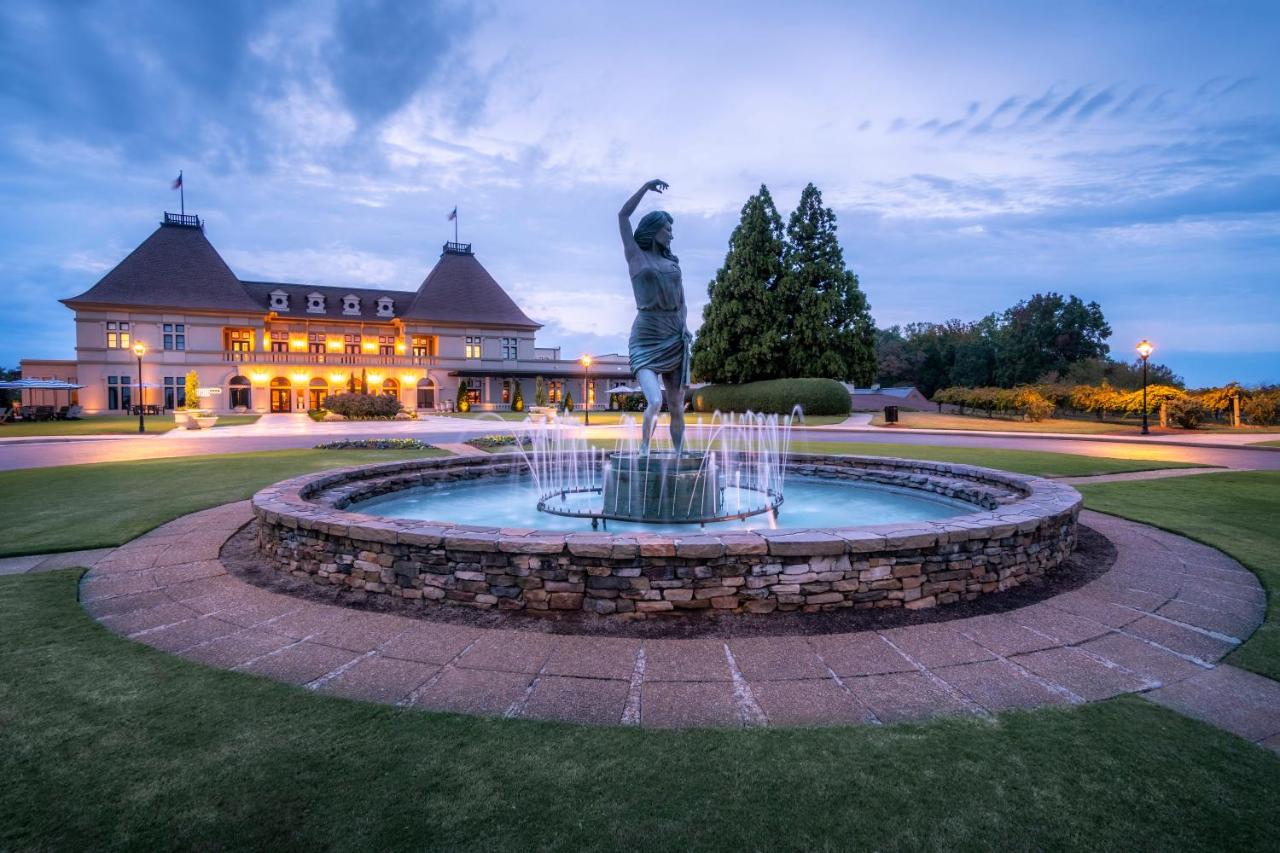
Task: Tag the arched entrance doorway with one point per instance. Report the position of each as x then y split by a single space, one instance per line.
239 392
281 398
318 391
426 393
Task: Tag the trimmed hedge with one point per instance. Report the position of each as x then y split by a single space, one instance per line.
775 396
361 406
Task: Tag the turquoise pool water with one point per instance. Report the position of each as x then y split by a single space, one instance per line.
512 502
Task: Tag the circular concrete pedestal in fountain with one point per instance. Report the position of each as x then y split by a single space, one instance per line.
661 487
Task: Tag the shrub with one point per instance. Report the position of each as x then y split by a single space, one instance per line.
496 440
316 414
775 396
517 399
1030 403
1262 408
630 402
463 404
1186 412
363 406
193 390
376 444
568 401
539 392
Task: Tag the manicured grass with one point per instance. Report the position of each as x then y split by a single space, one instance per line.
1075 426
95 506
1236 512
1035 462
108 425
107 744
937 420
236 420
1266 444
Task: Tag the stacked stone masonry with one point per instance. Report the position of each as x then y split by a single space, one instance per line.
1021 528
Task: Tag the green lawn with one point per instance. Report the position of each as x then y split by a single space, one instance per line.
107 744
108 425
940 420
1266 444
99 505
614 418
1236 512
1034 462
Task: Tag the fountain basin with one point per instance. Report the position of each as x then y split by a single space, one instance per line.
1019 528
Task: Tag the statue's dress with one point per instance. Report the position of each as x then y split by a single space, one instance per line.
659 339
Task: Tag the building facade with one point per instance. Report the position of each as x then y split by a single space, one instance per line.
285 347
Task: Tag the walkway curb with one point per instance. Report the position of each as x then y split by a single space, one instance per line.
1164 614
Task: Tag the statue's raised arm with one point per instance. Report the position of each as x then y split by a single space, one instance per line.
624 215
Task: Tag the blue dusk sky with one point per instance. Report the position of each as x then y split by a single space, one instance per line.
974 152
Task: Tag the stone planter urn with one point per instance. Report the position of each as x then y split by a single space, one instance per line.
182 418
205 421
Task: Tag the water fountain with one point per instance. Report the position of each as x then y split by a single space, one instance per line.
730 469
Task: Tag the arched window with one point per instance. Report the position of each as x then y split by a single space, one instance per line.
317 392
281 395
239 392
391 388
426 393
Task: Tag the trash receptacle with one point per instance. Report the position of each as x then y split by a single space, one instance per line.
891 414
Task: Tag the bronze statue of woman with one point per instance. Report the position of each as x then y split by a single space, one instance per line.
659 345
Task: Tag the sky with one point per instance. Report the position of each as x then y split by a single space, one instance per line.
975 153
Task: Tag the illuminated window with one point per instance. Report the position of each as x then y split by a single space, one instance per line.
117 335
175 336
351 344
239 340
386 344
473 390
473 347
554 390
279 341
506 390
425 346
315 342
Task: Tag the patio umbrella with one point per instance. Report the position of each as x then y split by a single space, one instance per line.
40 385
622 389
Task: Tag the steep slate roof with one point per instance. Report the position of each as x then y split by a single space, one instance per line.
260 291
459 290
176 267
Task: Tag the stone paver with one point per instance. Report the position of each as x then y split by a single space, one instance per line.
1157 624
599 701
1233 699
809 702
475 691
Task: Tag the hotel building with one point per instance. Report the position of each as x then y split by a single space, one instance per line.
260 346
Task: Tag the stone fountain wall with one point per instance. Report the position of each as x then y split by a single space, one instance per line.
1021 527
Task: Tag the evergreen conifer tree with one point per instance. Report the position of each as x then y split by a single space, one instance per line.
825 322
739 334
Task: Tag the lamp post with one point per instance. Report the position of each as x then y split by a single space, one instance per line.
1144 350
140 349
586 391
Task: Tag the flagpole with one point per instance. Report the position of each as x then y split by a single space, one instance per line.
455 223
182 193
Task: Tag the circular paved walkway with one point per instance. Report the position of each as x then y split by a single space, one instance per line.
1166 612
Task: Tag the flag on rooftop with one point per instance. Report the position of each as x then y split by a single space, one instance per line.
177 183
453 215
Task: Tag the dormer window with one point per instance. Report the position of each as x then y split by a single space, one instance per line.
315 303
279 300
385 306
350 304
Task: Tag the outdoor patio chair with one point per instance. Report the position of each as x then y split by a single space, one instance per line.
44 413
61 414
